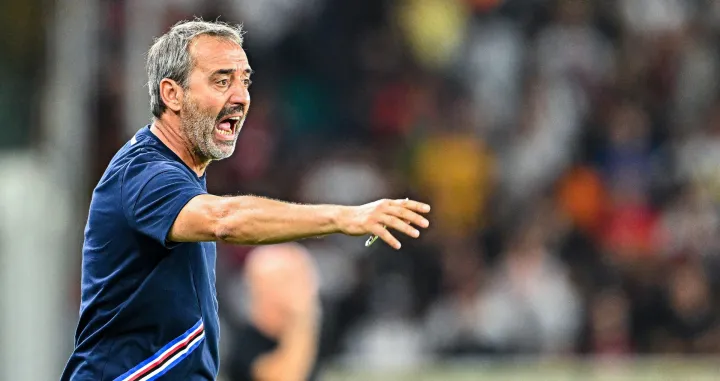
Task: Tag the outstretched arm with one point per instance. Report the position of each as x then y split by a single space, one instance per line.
256 220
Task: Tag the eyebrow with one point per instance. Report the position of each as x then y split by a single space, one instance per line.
247 71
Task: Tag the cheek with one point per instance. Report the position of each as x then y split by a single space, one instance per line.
206 103
210 109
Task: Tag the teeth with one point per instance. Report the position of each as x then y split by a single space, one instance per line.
235 118
224 132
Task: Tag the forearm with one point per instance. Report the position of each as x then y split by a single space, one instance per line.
295 355
256 220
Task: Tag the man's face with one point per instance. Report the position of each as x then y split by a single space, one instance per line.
217 99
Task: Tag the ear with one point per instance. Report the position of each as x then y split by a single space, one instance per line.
172 94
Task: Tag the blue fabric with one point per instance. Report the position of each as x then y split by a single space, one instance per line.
140 292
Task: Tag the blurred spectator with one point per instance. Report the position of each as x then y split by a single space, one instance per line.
699 156
626 159
697 72
278 338
694 326
582 198
491 67
689 225
455 171
630 226
347 178
387 338
434 29
541 150
608 331
271 20
572 48
530 305
454 322
655 16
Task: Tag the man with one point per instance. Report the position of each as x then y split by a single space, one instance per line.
280 337
148 304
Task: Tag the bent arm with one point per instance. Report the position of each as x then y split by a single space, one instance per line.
252 220
294 357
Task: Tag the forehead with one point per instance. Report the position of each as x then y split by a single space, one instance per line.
211 53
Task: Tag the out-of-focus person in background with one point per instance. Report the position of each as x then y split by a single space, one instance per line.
278 338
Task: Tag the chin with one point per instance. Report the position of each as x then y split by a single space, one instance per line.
219 150
224 155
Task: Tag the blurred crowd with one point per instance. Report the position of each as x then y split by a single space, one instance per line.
570 150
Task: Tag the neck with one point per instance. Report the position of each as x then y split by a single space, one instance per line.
168 131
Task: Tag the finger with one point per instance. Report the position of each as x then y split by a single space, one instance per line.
385 235
409 216
412 205
400 225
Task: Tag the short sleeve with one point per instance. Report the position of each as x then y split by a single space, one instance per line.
154 193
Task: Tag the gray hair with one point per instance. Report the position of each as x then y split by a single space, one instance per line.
169 57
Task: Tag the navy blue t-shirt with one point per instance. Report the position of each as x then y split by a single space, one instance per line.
149 307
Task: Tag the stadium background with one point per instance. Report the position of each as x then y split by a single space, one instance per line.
570 150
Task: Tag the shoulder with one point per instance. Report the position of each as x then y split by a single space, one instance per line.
140 154
145 158
148 163
145 150
145 165
153 172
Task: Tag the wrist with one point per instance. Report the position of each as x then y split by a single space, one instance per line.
338 218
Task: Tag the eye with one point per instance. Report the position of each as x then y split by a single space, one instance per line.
247 82
223 82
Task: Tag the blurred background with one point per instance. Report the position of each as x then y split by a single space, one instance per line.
570 150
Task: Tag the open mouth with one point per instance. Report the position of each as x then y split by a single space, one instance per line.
228 125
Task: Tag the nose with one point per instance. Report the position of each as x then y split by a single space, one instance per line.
240 96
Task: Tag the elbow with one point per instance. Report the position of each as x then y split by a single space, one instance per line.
222 227
230 225
222 233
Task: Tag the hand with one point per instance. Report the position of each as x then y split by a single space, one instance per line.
372 218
